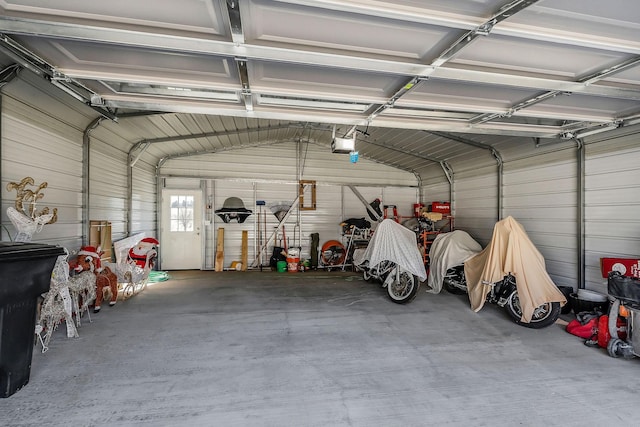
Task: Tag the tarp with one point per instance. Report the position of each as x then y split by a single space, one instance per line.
511 251
449 250
394 242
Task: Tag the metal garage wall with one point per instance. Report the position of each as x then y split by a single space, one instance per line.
109 183
42 137
333 204
107 188
269 174
612 201
39 145
278 162
143 207
540 192
437 192
476 201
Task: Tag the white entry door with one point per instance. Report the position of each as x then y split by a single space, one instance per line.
181 230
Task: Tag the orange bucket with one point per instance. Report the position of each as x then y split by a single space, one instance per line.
293 260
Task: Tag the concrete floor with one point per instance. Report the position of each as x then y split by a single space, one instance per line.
316 349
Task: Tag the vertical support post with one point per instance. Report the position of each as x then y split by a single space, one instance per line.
580 215
86 183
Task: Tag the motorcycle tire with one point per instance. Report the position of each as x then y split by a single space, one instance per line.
543 316
405 289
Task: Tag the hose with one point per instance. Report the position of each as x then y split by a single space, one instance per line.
158 276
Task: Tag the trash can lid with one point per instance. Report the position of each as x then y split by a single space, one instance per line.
10 251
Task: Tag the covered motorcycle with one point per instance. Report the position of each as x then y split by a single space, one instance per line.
393 257
512 254
449 250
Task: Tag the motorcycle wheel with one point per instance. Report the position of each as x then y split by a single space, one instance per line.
405 289
543 316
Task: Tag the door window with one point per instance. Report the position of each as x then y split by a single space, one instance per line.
182 209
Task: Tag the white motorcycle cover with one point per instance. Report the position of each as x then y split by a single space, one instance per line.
449 250
394 242
511 250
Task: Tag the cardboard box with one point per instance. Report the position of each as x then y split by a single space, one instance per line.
441 207
100 236
626 266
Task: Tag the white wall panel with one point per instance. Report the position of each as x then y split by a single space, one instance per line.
334 203
108 185
269 173
541 194
540 189
43 138
437 192
52 155
476 202
143 202
352 206
278 162
233 229
612 203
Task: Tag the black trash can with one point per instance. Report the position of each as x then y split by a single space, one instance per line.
25 273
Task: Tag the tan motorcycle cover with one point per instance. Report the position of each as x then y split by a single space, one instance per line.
511 251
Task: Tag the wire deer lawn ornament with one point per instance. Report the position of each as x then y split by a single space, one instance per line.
24 216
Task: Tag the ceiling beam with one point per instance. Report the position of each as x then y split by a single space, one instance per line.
235 21
163 42
438 124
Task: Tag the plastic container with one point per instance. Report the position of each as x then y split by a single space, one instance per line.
281 266
591 295
293 260
25 273
580 304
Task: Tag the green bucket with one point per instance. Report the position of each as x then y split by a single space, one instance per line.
281 266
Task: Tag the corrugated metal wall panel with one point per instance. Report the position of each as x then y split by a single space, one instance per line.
271 170
476 202
541 193
181 183
473 159
108 184
352 207
612 202
110 145
402 197
143 207
52 155
436 192
298 227
233 229
326 219
333 204
278 162
43 135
